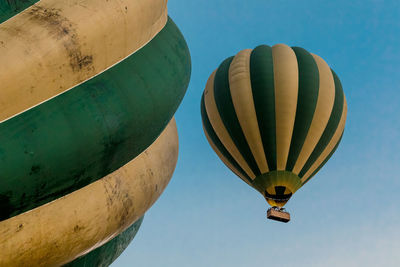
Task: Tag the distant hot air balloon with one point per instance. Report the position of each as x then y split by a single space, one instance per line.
274 115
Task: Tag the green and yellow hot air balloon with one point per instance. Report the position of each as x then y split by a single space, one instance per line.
274 115
88 142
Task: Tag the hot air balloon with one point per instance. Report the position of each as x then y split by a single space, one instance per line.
87 136
274 116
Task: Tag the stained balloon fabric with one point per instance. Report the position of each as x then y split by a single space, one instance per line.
87 137
110 251
92 129
77 223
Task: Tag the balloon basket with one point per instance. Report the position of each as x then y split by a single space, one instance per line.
278 214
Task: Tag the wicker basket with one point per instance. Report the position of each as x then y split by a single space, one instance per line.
278 215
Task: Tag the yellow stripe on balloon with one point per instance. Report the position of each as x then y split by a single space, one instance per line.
62 230
219 127
286 80
225 160
335 139
243 102
54 45
323 109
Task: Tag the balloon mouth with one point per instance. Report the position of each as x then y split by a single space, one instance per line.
277 185
274 202
278 198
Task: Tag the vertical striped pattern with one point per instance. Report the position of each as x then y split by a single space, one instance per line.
262 84
332 143
227 162
274 116
219 128
226 109
330 127
286 79
326 97
323 163
307 100
219 148
242 98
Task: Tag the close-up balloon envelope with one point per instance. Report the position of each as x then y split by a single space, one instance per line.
88 141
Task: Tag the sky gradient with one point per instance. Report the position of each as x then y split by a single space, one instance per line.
348 214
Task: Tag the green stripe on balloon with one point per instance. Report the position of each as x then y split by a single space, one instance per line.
325 161
9 8
306 102
228 115
214 138
106 254
93 129
262 84
333 123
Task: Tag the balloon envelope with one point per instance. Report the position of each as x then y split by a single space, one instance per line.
77 137
110 251
85 145
274 115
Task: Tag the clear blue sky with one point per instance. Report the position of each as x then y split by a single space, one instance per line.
349 214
